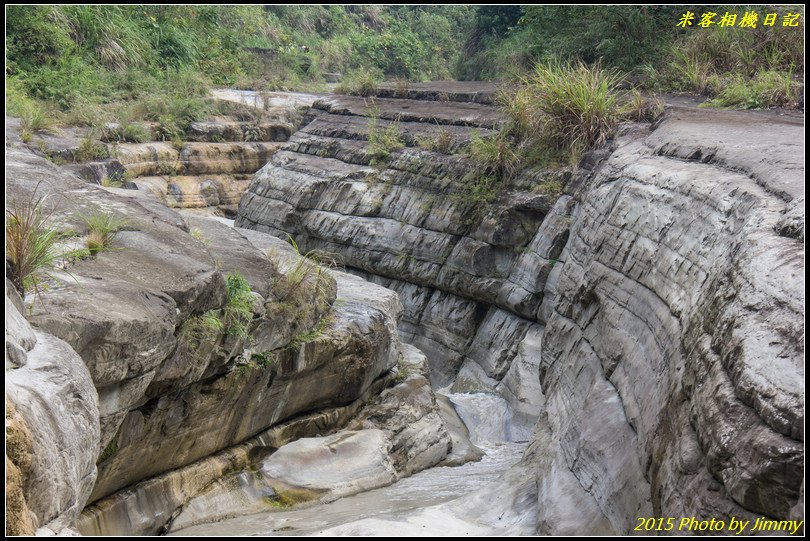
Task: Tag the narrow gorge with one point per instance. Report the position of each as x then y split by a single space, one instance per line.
300 329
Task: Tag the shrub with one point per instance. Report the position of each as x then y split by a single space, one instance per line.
30 244
102 228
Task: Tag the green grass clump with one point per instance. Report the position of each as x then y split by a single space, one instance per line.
112 182
359 83
639 107
382 141
30 244
310 335
102 228
33 115
200 331
90 149
766 89
441 142
239 305
580 104
499 154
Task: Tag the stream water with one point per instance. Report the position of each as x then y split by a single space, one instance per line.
421 494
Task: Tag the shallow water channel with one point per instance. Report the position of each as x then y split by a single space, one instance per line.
382 509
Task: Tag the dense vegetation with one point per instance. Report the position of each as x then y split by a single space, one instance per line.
90 65
744 67
93 64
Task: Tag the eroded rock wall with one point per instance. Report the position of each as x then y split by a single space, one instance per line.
409 222
658 303
144 357
672 359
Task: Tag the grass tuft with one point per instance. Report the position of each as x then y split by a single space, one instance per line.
30 244
382 141
579 103
238 311
359 83
102 229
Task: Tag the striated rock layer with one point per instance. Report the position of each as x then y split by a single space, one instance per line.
410 223
659 302
136 376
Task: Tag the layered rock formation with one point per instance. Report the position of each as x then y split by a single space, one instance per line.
139 359
658 301
642 317
209 169
468 282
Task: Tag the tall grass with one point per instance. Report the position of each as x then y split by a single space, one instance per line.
500 154
239 305
30 244
580 103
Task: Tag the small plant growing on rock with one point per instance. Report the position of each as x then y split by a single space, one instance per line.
90 149
551 188
102 229
170 168
114 179
197 234
33 118
202 329
168 129
402 87
310 335
361 83
239 307
497 154
30 244
381 142
252 134
639 107
442 142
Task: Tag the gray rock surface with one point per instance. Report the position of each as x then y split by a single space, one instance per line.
168 398
658 303
468 284
342 464
57 403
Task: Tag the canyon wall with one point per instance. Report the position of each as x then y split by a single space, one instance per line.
138 374
649 317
